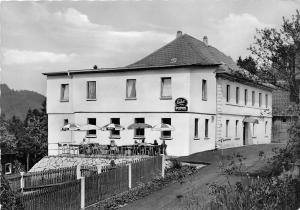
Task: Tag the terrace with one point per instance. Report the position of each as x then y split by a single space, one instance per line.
95 149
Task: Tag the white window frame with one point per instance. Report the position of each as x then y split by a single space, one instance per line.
63 98
10 168
127 95
88 98
169 97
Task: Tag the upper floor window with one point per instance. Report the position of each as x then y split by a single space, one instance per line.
237 95
253 98
139 132
64 92
91 121
115 133
166 134
166 88
267 100
204 90
130 88
196 134
246 96
259 99
228 93
91 90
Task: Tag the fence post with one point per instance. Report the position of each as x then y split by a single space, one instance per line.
22 181
78 171
82 193
129 176
163 165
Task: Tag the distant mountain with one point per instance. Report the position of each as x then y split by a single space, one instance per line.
17 102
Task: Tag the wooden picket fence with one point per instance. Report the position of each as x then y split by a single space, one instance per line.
89 190
14 181
49 177
61 197
106 184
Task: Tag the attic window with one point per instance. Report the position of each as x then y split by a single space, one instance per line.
173 60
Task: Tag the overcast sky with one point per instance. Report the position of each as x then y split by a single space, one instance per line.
41 37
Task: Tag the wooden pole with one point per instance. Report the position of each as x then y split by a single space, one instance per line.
82 193
129 176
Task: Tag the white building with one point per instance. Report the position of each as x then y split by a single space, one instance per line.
219 104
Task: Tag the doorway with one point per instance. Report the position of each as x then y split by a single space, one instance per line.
245 133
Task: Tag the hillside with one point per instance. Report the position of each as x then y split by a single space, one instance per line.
17 103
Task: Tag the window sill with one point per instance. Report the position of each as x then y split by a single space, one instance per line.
227 139
61 100
237 138
166 98
196 138
266 136
204 99
206 138
166 138
115 137
91 136
91 99
130 99
253 137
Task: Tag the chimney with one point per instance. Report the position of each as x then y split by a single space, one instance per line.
179 34
205 40
95 67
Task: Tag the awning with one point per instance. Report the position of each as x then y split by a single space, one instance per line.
250 120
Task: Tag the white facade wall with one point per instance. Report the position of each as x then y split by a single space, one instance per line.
111 102
233 112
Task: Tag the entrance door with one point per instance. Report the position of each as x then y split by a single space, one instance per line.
245 133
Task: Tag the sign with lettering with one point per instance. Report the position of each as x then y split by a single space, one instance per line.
181 105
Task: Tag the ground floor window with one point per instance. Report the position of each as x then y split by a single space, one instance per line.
196 132
66 121
227 128
253 132
139 132
206 128
236 127
92 121
8 168
115 133
266 126
166 134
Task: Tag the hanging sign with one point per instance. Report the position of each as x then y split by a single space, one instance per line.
181 105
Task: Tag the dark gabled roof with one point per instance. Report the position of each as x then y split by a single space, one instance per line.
184 50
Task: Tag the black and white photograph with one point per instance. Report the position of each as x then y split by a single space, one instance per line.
150 105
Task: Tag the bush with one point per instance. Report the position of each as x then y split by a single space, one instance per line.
175 164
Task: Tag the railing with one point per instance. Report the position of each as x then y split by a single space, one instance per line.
108 150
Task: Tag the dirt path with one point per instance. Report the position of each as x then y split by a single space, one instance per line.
180 196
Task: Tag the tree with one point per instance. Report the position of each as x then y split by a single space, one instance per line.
32 145
275 52
7 140
248 63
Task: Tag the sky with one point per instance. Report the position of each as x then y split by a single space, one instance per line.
39 37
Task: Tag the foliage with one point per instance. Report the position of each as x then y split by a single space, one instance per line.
275 52
7 140
175 164
247 63
8 199
257 193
